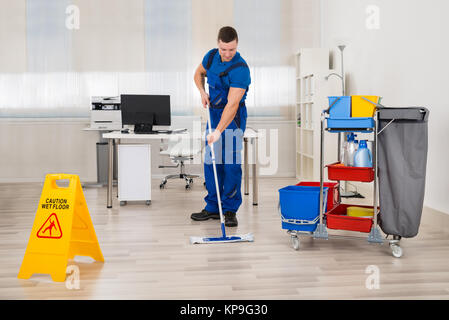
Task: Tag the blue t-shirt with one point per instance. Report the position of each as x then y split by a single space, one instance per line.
236 78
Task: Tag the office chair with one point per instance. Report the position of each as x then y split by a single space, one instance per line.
181 149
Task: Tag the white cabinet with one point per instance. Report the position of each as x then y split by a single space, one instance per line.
312 90
134 172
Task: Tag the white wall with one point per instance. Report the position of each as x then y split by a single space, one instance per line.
32 148
405 61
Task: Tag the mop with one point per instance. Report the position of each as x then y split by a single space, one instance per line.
223 239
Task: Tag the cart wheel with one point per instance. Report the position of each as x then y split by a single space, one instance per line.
148 202
396 250
162 186
122 203
295 242
190 181
188 186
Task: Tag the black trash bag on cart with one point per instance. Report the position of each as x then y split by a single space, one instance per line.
402 160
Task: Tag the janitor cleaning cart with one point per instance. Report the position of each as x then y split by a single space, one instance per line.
399 155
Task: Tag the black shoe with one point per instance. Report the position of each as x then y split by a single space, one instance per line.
230 219
204 215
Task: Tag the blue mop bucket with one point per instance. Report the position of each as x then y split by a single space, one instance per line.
340 110
299 207
340 107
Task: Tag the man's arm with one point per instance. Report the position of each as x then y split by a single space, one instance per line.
199 76
229 112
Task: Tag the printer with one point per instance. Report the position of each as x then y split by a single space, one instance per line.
105 113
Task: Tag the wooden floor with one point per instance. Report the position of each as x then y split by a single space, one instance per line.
148 254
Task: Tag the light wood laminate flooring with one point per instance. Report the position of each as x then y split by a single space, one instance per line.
148 255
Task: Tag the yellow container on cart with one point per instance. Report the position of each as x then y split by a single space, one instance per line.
360 108
360 212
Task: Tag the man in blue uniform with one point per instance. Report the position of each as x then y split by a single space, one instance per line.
228 78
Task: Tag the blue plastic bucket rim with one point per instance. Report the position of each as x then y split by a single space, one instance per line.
294 188
338 97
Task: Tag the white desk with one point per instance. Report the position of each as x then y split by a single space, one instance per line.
250 135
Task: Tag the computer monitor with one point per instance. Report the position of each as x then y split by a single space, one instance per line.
144 111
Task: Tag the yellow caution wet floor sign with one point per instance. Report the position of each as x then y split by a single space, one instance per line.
62 229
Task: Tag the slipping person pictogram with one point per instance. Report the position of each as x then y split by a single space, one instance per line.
51 226
51 229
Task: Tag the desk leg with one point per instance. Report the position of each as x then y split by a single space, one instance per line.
245 165
110 171
255 183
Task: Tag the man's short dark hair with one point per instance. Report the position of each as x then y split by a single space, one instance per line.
227 34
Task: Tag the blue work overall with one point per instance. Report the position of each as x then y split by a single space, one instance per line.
228 148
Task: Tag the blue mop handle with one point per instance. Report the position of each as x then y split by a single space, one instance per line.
215 176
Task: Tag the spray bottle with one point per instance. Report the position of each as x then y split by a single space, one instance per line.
351 148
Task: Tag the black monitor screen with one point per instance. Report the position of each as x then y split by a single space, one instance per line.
145 109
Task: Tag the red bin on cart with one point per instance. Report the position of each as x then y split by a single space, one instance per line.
337 171
338 219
